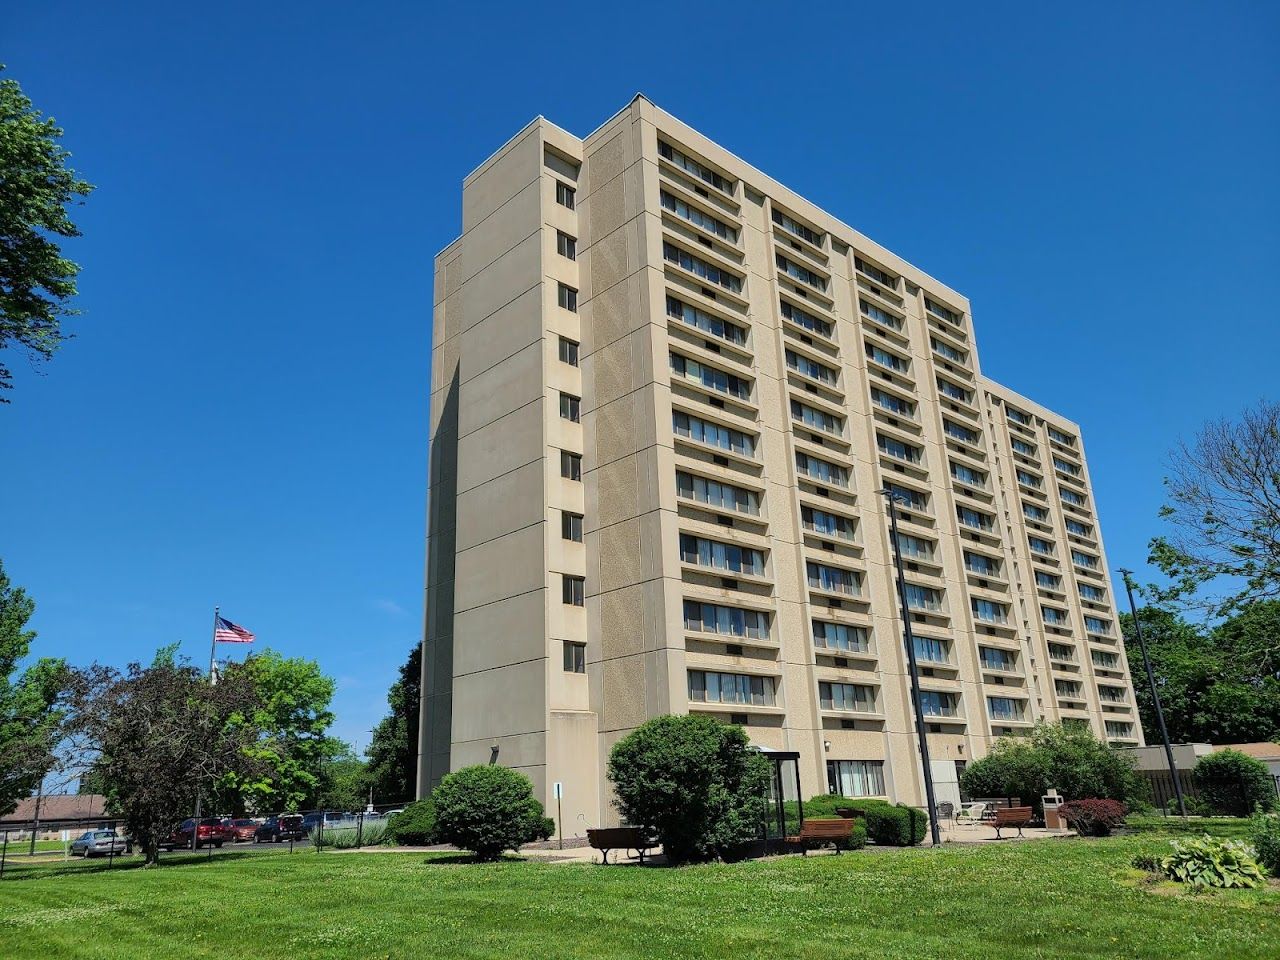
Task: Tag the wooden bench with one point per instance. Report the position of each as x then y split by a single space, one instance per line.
1011 817
605 839
818 833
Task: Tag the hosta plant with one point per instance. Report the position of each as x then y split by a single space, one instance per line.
1209 862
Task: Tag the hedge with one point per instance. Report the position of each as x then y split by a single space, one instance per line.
887 824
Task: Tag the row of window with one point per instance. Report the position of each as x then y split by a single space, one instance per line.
698 217
712 378
796 272
802 318
716 493
707 323
718 555
699 267
704 431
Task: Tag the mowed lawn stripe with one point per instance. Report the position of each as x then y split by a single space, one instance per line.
1042 899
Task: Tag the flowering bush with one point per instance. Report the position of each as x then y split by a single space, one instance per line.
1207 862
1093 818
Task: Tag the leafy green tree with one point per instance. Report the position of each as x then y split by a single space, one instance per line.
693 780
1224 505
158 736
343 778
1068 758
292 716
29 712
1234 783
393 751
487 810
1217 685
36 188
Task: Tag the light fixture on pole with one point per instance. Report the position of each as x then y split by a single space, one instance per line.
910 643
1155 694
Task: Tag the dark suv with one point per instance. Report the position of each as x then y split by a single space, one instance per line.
287 826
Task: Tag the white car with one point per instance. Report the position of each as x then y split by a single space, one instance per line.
99 843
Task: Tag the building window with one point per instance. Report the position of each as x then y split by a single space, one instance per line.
980 564
570 407
690 165
701 268
923 598
708 687
887 359
704 431
806 320
714 493
803 274
826 524
1004 708
821 470
1048 580
993 659
930 650
840 636
565 194
705 322
952 391
934 703
847 696
573 590
833 579
566 246
568 352
697 217
570 465
811 368
817 419
791 225
726 621
938 310
896 405
720 555
883 317
575 657
856 778
567 297
571 526
988 610
710 377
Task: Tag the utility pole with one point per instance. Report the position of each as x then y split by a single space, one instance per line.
1155 694
909 640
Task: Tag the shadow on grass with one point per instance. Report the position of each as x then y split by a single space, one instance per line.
458 859
37 871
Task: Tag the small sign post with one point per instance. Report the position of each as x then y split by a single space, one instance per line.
558 790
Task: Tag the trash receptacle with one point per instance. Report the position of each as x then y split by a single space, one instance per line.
1052 817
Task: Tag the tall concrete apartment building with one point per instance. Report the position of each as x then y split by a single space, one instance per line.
666 391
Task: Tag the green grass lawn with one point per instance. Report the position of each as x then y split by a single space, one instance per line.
1041 899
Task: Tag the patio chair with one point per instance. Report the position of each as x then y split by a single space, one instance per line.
971 812
946 810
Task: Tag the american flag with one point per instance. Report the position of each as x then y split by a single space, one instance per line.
228 632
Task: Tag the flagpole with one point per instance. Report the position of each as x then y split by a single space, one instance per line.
213 646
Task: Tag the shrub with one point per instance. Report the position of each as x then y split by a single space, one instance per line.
1073 760
1266 841
487 809
1208 862
1093 817
823 807
414 826
896 826
345 838
1233 783
694 781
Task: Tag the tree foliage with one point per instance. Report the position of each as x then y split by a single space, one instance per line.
158 735
1234 783
487 810
293 716
393 751
1224 504
1069 759
343 778
36 189
29 701
1217 684
693 780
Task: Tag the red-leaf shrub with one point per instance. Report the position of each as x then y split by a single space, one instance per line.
1093 818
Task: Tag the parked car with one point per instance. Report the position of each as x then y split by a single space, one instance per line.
287 826
99 843
209 831
241 829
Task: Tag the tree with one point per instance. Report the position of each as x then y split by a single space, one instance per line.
157 736
29 714
393 751
1234 783
1068 758
487 810
693 780
36 281
343 778
292 712
1217 684
1224 504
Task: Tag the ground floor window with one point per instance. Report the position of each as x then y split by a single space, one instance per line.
856 778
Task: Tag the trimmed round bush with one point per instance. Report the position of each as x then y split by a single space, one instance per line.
414 826
1233 783
694 781
488 810
1093 817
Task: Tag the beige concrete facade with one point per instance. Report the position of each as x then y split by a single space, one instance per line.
665 393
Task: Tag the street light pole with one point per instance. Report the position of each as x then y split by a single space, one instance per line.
1155 694
910 643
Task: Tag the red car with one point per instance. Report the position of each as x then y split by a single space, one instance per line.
209 831
240 829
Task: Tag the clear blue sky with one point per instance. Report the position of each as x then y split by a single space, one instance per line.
241 418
